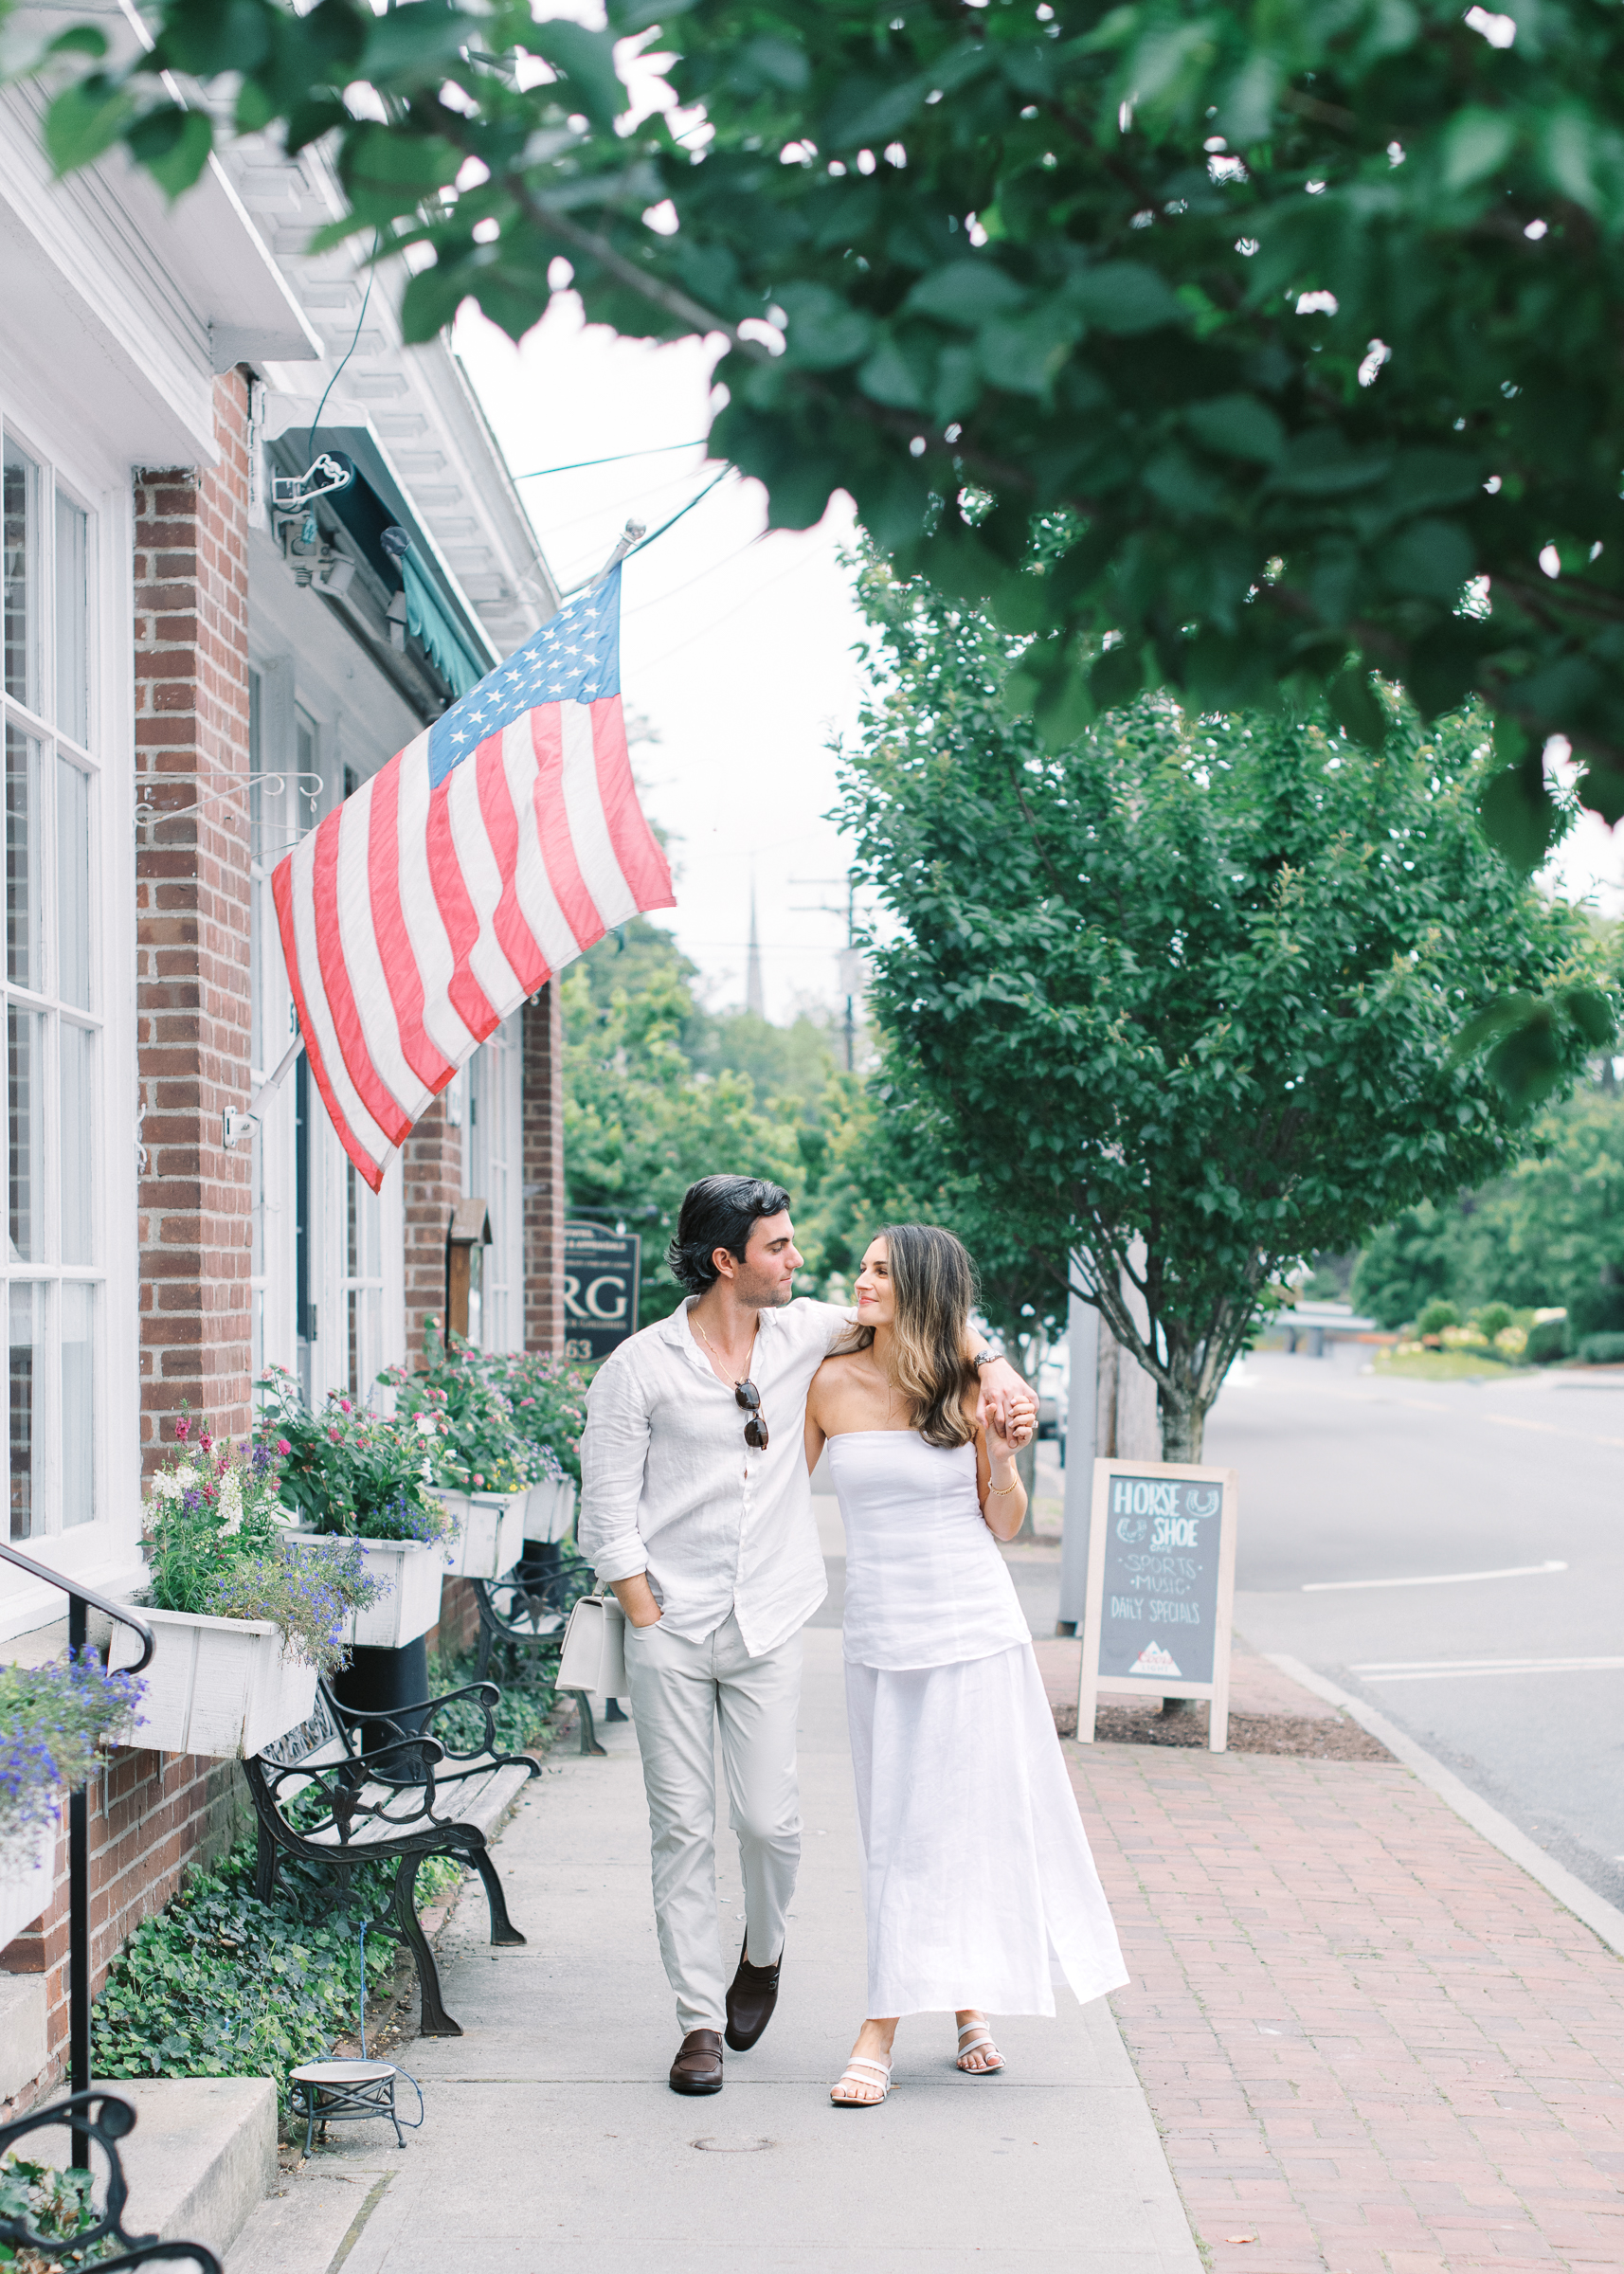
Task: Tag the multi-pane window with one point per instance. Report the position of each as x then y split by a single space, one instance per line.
53 1265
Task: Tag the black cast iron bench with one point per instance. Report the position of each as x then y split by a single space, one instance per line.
350 1788
527 1610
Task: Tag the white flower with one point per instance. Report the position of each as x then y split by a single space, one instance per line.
425 1425
231 1501
166 1484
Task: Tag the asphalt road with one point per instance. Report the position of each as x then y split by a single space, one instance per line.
1348 1484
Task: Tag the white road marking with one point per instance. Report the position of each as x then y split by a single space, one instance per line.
1441 1669
1437 1579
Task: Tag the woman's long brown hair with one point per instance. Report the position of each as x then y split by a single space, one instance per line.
933 1290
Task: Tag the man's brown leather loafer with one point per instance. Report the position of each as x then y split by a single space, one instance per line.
698 2063
750 1999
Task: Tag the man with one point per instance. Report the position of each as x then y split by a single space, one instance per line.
696 1509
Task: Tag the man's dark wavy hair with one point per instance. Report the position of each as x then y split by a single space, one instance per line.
718 1213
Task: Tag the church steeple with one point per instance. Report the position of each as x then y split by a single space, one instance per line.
755 998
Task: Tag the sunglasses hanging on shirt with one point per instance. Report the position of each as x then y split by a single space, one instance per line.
748 1397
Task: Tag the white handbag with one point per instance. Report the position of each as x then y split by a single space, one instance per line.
594 1653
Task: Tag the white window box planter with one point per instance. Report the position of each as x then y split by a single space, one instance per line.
25 1883
490 1531
220 1685
550 1511
412 1605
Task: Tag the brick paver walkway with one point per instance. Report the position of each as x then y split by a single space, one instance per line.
1373 2044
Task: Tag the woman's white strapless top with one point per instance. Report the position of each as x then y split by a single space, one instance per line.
925 1582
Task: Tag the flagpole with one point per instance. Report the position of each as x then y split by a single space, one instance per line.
274 1082
632 534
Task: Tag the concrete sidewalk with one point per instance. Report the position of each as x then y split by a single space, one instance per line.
552 2139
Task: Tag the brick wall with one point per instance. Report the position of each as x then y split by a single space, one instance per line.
433 1171
151 1815
543 1041
191 931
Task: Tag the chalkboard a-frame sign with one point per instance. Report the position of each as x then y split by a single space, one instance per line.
1160 1594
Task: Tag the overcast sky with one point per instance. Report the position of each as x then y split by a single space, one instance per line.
735 646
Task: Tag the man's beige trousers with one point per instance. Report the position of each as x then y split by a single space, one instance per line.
681 1693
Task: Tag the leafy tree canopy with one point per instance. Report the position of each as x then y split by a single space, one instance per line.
1551 1233
658 1092
1299 318
1184 992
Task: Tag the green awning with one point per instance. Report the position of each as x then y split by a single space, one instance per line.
439 636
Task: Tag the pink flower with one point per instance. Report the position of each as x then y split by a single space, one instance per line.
479 1476
332 1434
283 1445
206 1442
346 1406
183 1427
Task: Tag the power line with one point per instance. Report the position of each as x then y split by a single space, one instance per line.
643 543
616 458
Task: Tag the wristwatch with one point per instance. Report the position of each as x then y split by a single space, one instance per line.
985 1358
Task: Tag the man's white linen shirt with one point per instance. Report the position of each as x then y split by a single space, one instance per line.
668 1485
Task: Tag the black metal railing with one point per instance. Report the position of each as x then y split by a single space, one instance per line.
107 2120
81 1599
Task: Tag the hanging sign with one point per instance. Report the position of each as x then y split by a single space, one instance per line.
1161 1587
600 1289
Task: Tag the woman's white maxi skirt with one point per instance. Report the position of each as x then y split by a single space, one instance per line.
981 1885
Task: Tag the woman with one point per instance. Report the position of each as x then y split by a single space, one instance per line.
978 1876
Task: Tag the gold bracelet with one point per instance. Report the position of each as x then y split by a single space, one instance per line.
992 1487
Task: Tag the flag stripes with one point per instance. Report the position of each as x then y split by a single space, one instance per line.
473 867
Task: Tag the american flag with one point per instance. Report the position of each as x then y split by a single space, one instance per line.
490 852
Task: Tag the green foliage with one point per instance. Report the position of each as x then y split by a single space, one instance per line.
1294 320
655 1097
549 1401
216 1544
1601 1350
346 1470
1549 1233
220 1984
1190 983
464 1417
55 2206
1436 1316
1548 1341
1494 1319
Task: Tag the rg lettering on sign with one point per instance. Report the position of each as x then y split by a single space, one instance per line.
600 1289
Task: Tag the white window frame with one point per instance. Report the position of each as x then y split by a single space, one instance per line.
493 1167
290 803
103 1552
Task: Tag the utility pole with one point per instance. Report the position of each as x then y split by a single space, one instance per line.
849 958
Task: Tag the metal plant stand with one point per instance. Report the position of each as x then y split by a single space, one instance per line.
344 2092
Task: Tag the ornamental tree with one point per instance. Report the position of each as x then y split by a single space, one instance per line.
1186 993
1303 318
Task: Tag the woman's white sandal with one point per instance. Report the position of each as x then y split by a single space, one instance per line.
881 2073
978 2036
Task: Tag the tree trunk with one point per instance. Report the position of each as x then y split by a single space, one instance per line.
1183 1430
